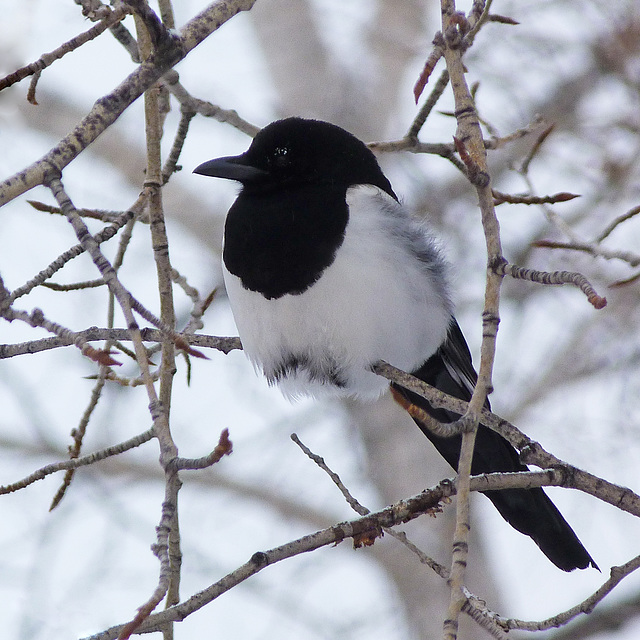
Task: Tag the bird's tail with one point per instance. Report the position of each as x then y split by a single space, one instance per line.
529 511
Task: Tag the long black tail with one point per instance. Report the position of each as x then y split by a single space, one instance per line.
529 511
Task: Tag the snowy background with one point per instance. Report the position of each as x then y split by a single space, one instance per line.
566 374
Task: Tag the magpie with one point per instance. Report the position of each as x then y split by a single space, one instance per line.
327 273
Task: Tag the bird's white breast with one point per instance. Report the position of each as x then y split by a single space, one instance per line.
377 300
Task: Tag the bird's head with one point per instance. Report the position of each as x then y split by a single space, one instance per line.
296 151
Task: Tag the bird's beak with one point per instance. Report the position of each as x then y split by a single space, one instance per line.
232 168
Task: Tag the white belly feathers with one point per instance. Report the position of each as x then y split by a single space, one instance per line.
377 301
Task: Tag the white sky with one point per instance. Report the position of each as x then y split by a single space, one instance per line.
88 565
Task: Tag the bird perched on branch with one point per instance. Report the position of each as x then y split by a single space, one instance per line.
327 273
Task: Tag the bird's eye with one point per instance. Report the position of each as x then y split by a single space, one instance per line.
280 157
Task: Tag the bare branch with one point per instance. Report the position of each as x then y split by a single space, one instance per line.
37 319
171 165
92 334
552 278
96 214
106 234
500 198
427 107
473 606
74 286
604 619
429 66
109 108
76 463
531 452
48 59
398 513
536 148
191 104
470 145
223 448
610 228
335 478
633 259
585 607
78 436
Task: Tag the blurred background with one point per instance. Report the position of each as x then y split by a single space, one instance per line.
566 374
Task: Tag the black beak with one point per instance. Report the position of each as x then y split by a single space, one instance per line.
232 168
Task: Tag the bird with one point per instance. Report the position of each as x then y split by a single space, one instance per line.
327 273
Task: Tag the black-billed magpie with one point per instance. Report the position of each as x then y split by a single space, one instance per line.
327 273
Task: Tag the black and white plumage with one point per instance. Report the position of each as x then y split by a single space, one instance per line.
327 273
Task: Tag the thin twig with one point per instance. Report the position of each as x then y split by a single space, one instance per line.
502 267
96 214
633 259
478 17
606 232
191 104
74 286
471 607
224 344
498 142
470 145
550 214
510 198
48 59
223 448
78 434
102 236
617 574
36 318
76 463
182 282
166 329
123 381
427 107
108 109
335 478
524 168
171 164
446 151
429 66
398 513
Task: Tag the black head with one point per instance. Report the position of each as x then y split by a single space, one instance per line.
295 151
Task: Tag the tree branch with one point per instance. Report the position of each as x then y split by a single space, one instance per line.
531 452
110 107
92 334
76 463
403 511
46 60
